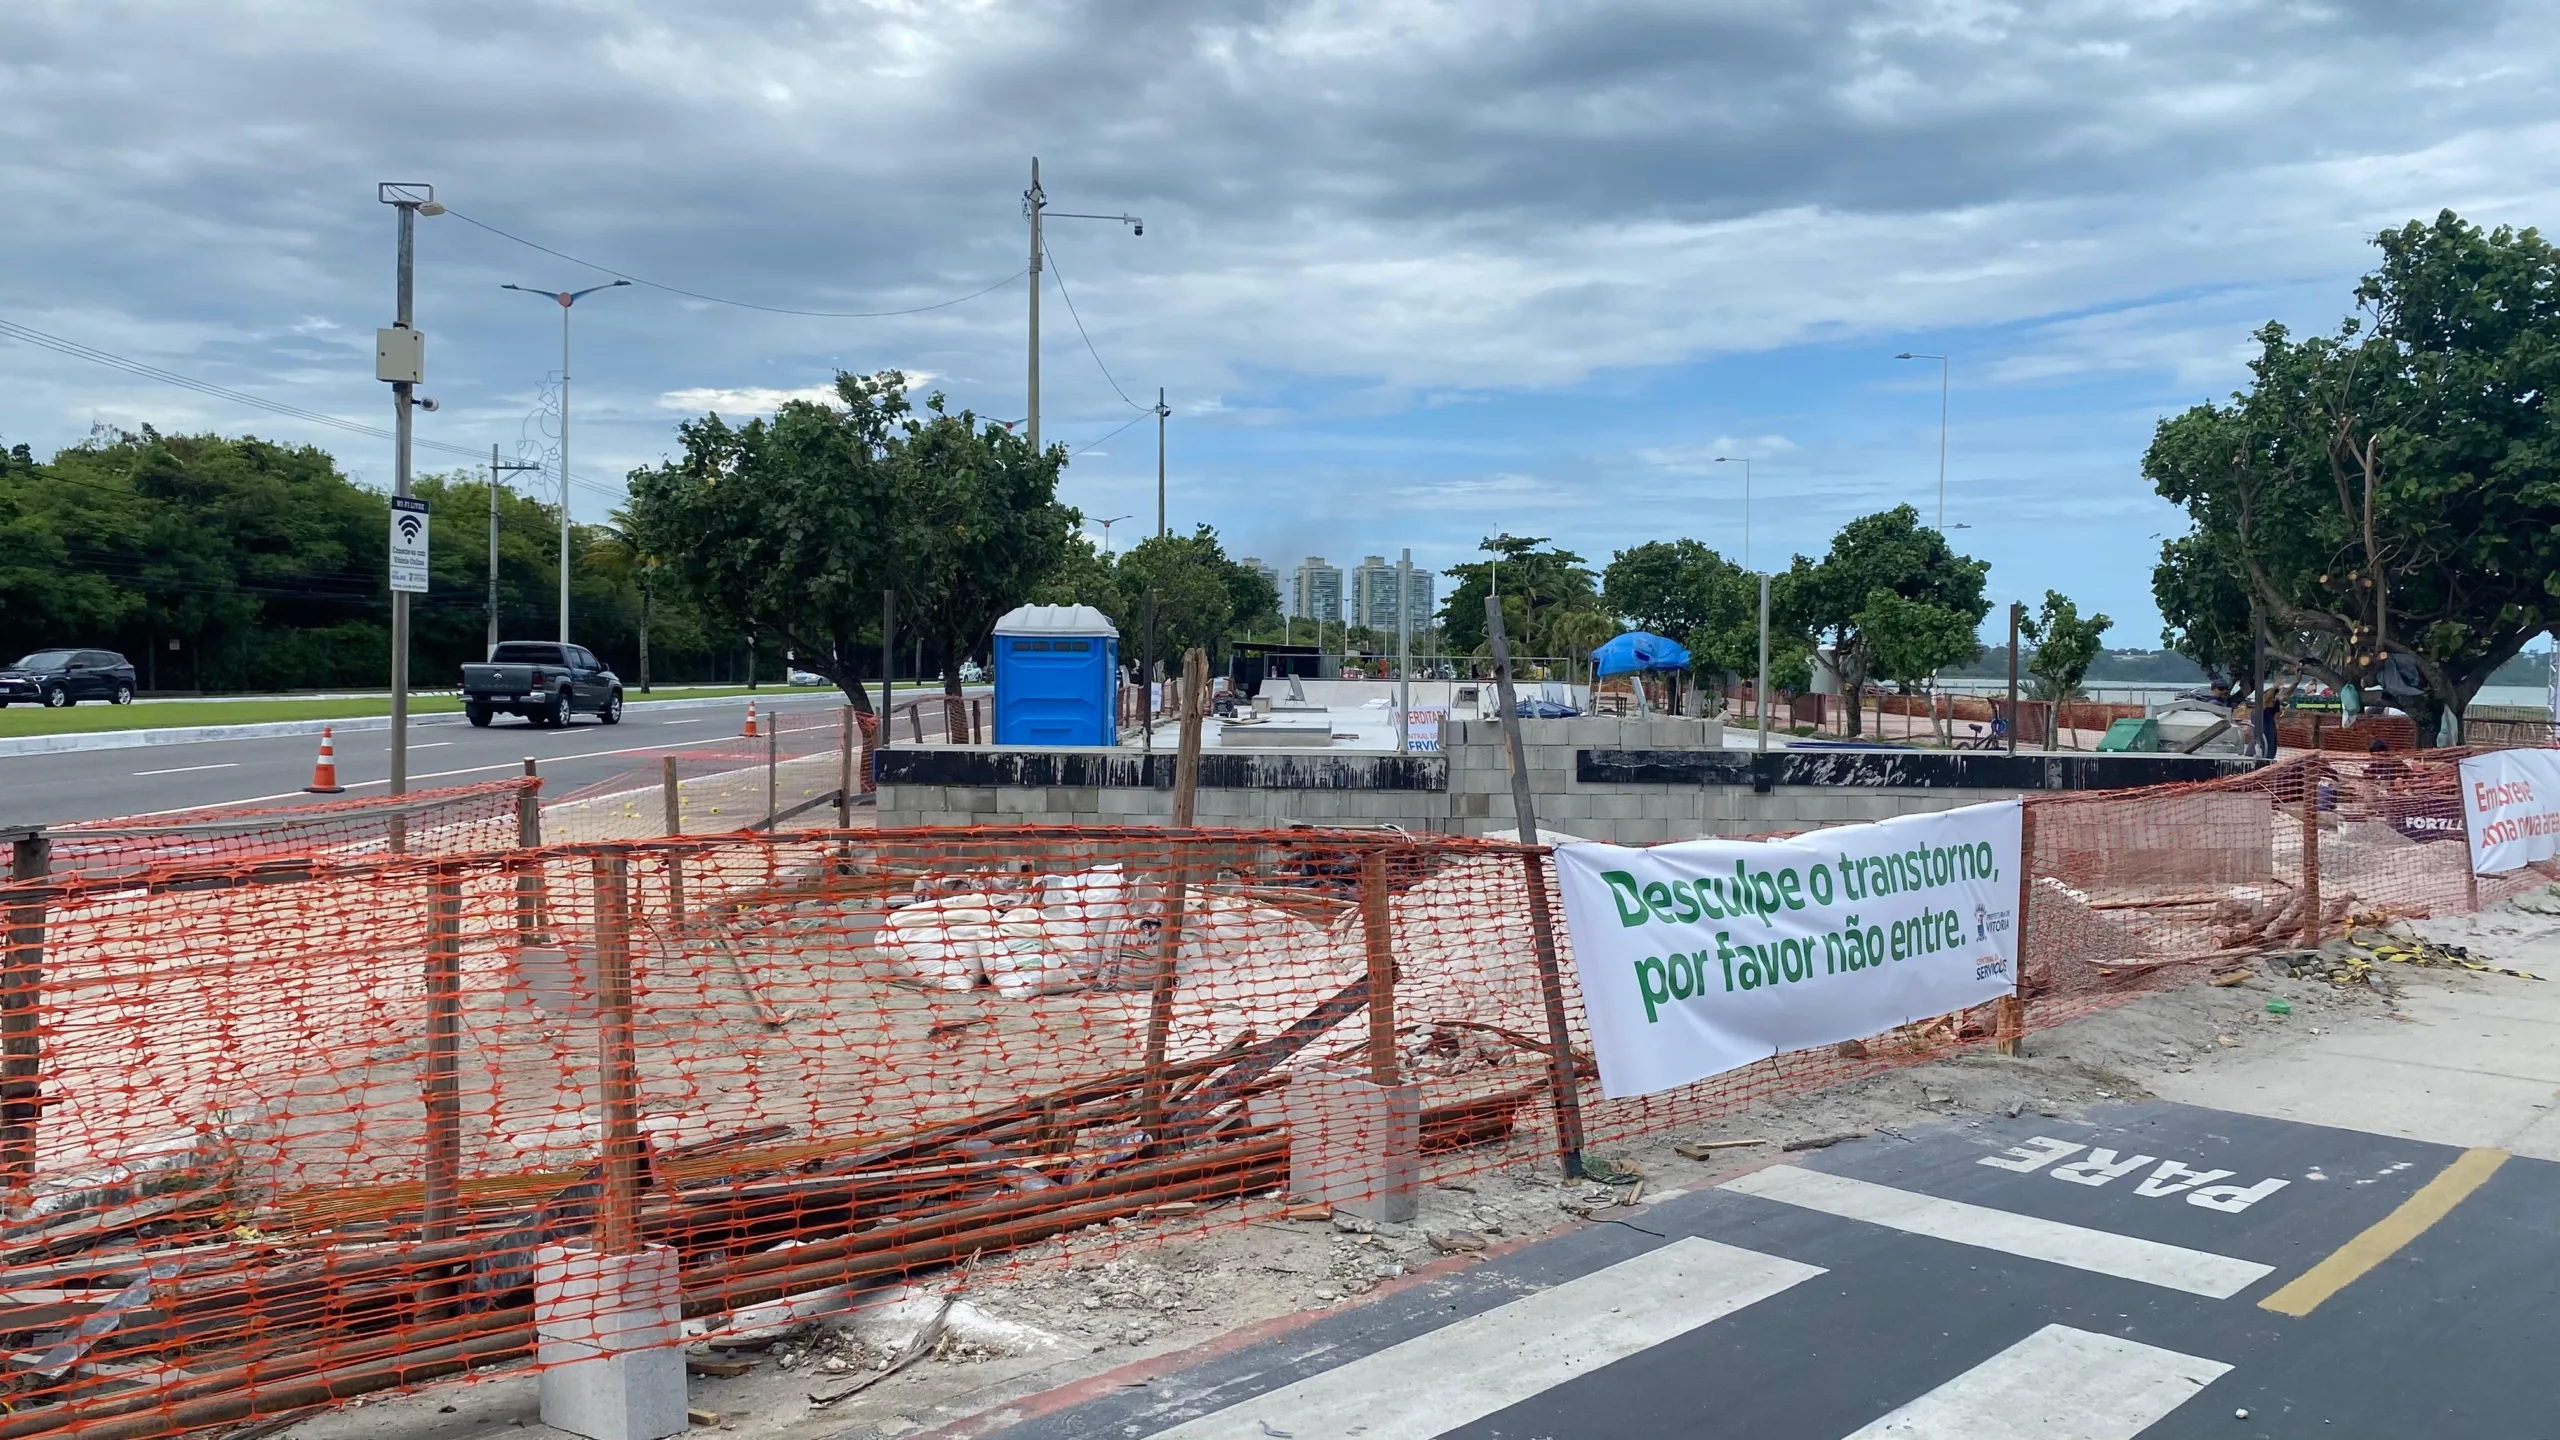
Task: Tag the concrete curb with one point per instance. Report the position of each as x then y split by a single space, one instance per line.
191 734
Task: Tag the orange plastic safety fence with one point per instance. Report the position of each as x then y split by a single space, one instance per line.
292 1134
459 820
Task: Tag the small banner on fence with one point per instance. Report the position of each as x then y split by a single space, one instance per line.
1708 955
2511 808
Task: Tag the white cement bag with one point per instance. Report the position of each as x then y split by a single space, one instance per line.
942 944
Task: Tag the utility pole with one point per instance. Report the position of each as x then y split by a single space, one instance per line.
400 357
496 468
1942 430
1161 413
1033 201
1035 204
565 299
1760 696
1404 652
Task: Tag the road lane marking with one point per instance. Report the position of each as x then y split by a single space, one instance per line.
2174 1267
2058 1381
2386 1236
512 766
187 769
696 720
1464 1371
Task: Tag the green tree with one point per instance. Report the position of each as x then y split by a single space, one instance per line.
2204 598
791 528
986 528
2390 494
1200 596
1544 580
2066 644
1891 552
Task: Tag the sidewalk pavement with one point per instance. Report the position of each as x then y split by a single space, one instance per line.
2461 1059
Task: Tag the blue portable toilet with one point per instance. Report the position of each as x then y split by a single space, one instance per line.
1057 677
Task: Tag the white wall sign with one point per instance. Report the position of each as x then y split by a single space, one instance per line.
1708 955
2511 808
408 545
1422 728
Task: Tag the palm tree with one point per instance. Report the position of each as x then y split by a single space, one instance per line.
618 548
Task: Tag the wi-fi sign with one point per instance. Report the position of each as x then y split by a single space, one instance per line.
410 525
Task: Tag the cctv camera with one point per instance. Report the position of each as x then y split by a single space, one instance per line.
426 402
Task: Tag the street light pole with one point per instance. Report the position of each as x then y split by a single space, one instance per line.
565 298
408 201
1745 462
1035 205
1942 430
1106 532
1161 413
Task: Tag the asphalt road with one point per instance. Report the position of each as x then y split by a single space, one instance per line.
2160 1271
100 784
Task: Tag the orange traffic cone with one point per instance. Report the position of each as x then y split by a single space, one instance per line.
324 771
750 731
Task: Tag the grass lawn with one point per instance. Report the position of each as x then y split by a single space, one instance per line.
97 715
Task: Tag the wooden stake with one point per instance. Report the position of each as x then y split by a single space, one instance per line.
2311 934
850 726
2009 1013
667 788
1186 794
21 1014
618 1217
441 1085
529 896
1377 925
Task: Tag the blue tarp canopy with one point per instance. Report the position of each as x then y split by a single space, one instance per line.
1640 650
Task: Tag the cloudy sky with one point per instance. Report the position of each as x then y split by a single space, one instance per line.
1412 273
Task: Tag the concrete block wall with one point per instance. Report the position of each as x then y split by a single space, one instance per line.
1632 782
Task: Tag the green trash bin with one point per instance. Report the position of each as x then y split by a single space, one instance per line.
2126 736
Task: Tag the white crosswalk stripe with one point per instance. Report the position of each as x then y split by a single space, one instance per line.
1464 1371
2057 1382
2198 1272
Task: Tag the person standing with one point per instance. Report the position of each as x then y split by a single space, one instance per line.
2270 705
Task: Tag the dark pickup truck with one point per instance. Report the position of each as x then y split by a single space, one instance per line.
544 682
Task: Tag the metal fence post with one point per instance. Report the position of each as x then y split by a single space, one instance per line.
21 1013
441 1085
618 1218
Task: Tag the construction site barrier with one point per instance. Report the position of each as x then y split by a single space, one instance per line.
278 1129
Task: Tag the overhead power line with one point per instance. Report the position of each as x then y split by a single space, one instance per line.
724 300
1052 257
113 361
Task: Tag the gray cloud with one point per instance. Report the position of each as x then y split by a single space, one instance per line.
1353 208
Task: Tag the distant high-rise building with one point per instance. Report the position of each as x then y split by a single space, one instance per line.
1318 591
1373 596
1279 591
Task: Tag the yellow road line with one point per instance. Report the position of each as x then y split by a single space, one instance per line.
2385 1237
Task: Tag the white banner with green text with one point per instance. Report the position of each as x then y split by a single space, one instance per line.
1707 955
